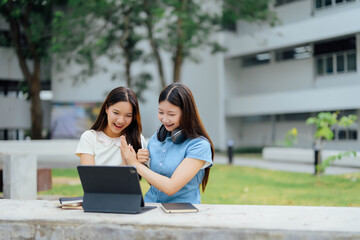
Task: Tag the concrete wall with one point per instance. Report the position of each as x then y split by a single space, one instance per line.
294 11
287 14
206 81
313 100
9 65
256 134
16 113
317 28
282 76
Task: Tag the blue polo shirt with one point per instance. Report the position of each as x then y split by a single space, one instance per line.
166 157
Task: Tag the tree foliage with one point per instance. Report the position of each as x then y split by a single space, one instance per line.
324 122
89 29
30 34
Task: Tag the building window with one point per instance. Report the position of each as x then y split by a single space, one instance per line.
336 63
291 117
283 2
335 57
256 119
346 134
258 59
320 4
5 38
299 52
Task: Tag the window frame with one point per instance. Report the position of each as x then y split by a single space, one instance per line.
333 4
334 56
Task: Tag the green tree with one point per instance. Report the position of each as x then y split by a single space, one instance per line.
89 29
29 25
181 26
177 27
323 123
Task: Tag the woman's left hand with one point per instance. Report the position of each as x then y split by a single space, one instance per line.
128 152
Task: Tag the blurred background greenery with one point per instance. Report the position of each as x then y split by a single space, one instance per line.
230 184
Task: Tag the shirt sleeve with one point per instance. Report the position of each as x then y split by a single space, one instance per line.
200 149
86 143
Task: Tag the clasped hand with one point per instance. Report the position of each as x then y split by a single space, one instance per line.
129 155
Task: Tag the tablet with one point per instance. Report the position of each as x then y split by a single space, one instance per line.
111 189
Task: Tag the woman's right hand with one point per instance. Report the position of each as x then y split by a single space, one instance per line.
128 153
143 155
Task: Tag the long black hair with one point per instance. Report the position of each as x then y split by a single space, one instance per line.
133 131
190 123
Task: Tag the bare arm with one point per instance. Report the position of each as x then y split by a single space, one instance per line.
188 168
87 159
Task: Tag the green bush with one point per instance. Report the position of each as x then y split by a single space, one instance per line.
248 150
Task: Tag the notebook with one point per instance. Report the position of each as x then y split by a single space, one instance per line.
71 202
178 207
111 189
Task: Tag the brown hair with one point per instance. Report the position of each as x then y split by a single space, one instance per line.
190 123
133 131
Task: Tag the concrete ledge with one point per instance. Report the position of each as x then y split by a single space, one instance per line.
43 220
306 155
49 153
20 160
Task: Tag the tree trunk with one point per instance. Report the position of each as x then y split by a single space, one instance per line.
126 49
179 54
178 63
32 80
36 108
158 59
317 160
153 44
128 69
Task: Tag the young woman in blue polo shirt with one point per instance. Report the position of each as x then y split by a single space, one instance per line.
181 151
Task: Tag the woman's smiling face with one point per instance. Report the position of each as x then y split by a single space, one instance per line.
119 117
169 115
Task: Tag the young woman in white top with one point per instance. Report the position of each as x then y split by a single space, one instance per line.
119 116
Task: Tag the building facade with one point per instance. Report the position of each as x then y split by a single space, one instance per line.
277 77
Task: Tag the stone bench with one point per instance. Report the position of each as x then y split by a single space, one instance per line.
43 179
38 219
26 165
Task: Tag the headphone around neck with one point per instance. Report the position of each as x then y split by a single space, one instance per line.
177 135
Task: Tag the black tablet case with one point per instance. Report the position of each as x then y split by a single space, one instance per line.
111 189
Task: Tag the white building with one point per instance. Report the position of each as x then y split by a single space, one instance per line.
269 81
275 78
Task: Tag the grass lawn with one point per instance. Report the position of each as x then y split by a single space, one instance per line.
251 186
